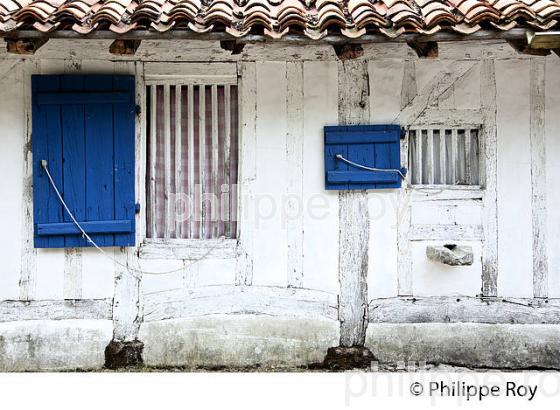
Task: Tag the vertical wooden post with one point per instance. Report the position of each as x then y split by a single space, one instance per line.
538 178
353 108
490 246
294 176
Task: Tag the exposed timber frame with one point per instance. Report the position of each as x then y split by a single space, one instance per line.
463 309
538 179
353 106
513 34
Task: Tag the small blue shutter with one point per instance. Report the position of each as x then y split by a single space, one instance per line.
374 146
83 125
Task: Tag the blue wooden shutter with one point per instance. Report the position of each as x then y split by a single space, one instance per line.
375 146
83 125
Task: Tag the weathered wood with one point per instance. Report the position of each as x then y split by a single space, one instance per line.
516 33
124 47
294 156
462 309
153 159
127 309
522 47
236 47
178 164
191 73
141 154
168 220
28 275
348 51
72 273
409 92
188 249
15 310
489 152
247 172
353 103
227 299
538 179
449 118
446 232
427 49
26 46
439 84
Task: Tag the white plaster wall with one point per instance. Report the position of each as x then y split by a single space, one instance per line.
320 235
515 267
12 131
552 127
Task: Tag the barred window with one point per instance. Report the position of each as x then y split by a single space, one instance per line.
192 133
444 156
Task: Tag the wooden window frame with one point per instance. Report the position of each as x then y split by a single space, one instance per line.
183 74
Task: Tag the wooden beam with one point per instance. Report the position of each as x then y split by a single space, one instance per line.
124 47
463 309
14 310
26 46
522 47
348 51
517 33
232 45
428 49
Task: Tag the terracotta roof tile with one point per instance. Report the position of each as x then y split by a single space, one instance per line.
315 18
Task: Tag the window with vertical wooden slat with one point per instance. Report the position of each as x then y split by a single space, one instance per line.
444 156
192 133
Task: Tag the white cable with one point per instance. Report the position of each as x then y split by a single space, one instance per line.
403 177
340 157
88 238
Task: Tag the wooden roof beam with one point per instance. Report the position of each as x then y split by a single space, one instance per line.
426 49
523 47
348 51
25 46
124 47
236 47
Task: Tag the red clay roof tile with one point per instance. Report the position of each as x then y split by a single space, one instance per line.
315 18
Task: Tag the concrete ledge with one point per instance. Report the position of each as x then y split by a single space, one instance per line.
237 341
467 344
36 345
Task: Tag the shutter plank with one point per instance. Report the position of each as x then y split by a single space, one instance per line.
124 143
99 151
47 144
74 165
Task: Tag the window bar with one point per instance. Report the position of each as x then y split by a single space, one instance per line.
153 156
202 156
442 162
468 156
226 192
214 217
419 156
190 136
178 164
167 154
430 159
454 155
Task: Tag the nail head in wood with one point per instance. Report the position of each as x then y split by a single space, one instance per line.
27 46
348 51
428 49
124 47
